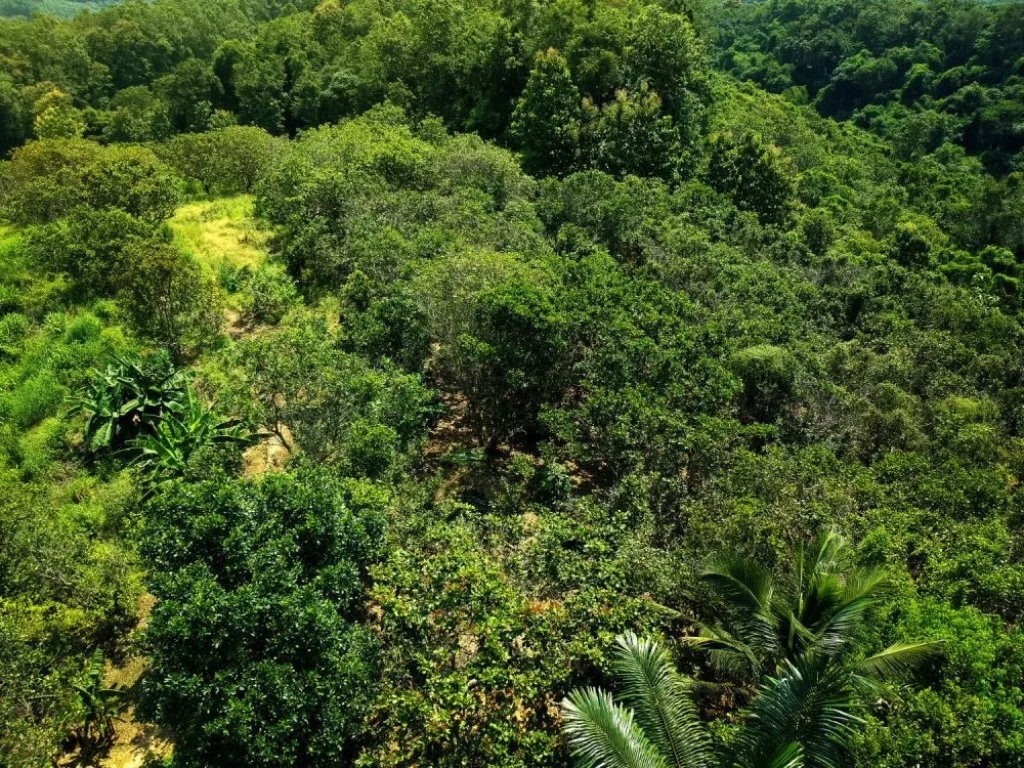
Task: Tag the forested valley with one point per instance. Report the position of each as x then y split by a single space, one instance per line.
511 383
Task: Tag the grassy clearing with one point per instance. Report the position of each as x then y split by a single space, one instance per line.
220 230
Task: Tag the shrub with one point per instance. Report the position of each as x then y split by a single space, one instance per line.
89 247
13 328
270 293
34 399
168 298
300 378
127 396
48 179
225 161
257 656
768 374
83 328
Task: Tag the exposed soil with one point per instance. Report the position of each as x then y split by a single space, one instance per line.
270 454
134 742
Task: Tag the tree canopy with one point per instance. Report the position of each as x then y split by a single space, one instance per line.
518 384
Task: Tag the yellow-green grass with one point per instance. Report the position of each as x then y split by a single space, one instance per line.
217 230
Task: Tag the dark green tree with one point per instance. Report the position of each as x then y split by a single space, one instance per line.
546 119
168 298
753 173
258 657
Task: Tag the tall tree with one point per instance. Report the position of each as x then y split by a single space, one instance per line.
546 119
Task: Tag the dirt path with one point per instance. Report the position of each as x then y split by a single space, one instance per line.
135 743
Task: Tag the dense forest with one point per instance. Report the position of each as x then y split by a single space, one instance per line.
512 383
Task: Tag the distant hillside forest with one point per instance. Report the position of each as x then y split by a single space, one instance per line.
512 384
62 8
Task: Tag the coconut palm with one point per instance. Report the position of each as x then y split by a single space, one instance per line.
793 639
816 608
656 725
802 717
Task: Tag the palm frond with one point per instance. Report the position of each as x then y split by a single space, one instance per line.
786 755
898 661
728 654
602 734
811 704
742 583
836 611
661 702
749 592
825 553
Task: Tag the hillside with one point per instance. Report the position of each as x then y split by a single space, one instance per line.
478 383
62 8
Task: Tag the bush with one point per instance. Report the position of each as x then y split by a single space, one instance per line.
168 298
48 179
257 656
13 328
89 247
270 293
769 378
225 161
301 378
83 329
34 399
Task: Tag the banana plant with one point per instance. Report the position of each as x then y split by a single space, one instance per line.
121 397
99 704
186 425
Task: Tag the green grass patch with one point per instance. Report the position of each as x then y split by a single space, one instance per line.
220 230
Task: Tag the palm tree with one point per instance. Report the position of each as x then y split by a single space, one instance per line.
787 636
817 608
803 717
657 724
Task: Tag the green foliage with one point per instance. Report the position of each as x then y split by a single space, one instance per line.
257 655
168 298
770 624
631 136
89 247
269 293
125 397
225 161
891 66
500 336
57 118
474 651
753 174
190 92
179 431
546 120
67 588
48 179
804 716
35 398
715 317
99 704
971 693
804 709
769 377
